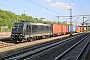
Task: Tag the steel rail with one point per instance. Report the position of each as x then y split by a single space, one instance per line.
69 49
35 50
82 50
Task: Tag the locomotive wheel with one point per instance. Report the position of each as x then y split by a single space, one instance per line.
46 37
14 41
25 40
28 39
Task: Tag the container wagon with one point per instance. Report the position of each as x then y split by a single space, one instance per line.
77 29
73 29
64 29
56 29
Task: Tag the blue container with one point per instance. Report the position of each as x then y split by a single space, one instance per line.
73 28
68 28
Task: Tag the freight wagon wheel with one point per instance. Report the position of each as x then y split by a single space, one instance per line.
44 37
48 36
32 39
35 38
23 40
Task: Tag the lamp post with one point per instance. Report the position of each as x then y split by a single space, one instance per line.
86 25
42 19
17 18
70 21
83 23
58 18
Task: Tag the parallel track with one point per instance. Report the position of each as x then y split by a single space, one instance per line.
74 52
3 44
37 50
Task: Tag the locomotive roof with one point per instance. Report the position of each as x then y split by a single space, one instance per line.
40 24
33 23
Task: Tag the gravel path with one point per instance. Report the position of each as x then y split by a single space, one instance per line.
17 47
29 43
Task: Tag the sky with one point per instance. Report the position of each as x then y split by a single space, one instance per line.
49 9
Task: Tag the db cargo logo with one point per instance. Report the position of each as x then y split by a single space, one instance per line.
17 29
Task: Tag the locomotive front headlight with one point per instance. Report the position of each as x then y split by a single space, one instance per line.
12 36
20 34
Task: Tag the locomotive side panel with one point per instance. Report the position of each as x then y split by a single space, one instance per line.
39 30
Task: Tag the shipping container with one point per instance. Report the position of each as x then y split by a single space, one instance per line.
85 28
73 28
77 29
68 28
56 29
64 29
81 28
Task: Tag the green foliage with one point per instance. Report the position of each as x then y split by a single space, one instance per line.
7 18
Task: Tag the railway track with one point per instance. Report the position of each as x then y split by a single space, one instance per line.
34 53
52 53
5 43
75 51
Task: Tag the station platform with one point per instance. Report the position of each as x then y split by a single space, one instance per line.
5 34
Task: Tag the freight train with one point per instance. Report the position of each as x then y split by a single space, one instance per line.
29 31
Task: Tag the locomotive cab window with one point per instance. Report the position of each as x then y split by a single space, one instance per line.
27 26
18 25
30 27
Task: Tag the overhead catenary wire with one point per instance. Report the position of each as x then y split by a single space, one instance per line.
30 1
45 7
10 7
21 7
67 16
54 19
78 7
81 5
33 3
42 6
17 9
61 9
63 5
75 19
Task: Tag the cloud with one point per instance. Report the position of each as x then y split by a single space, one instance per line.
61 5
47 0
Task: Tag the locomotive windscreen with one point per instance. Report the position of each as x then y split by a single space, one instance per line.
17 28
18 25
